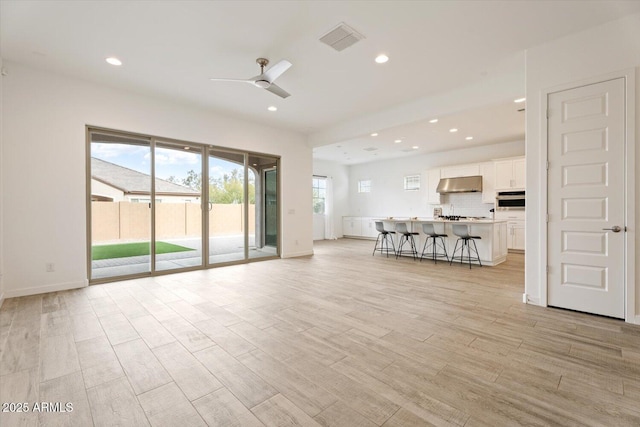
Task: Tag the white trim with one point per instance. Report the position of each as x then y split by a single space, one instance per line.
22 292
630 217
297 254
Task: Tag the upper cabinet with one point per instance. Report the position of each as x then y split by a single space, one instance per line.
488 172
510 174
433 178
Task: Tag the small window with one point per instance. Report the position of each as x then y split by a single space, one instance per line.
412 182
364 186
319 185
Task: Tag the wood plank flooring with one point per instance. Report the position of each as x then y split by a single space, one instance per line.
338 339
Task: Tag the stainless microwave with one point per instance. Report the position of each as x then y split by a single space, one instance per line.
510 201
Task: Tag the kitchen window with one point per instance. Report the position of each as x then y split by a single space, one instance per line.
364 186
412 182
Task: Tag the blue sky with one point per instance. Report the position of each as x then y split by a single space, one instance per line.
168 162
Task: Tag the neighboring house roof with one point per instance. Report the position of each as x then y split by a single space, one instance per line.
130 181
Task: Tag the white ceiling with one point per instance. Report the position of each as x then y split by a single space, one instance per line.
171 49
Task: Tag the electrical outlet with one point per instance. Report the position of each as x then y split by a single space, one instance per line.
50 267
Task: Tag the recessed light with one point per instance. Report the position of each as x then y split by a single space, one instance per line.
519 100
453 130
469 138
113 61
187 148
433 121
255 164
272 108
398 141
415 147
374 134
382 58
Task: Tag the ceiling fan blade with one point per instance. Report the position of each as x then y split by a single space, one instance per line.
231 80
276 70
278 91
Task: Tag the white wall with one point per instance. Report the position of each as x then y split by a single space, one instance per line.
388 198
580 57
340 175
44 120
1 187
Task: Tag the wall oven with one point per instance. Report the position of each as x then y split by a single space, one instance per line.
510 201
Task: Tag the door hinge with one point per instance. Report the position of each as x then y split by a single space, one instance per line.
548 113
547 217
547 269
547 164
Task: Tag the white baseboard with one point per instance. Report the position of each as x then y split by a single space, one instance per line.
297 254
56 287
532 301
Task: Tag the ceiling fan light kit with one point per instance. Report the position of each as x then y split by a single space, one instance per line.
266 78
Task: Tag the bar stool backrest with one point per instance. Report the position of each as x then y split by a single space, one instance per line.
401 227
380 227
461 230
428 229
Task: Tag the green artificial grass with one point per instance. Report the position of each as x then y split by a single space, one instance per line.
123 250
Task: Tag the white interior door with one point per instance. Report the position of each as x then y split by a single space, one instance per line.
586 198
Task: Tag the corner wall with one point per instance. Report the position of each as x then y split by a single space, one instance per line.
586 56
43 168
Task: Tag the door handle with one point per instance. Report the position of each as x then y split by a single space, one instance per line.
615 229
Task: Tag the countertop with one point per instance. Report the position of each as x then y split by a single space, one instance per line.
462 221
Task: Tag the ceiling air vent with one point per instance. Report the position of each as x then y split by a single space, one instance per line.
341 37
370 149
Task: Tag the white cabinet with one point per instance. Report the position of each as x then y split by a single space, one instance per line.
500 240
460 170
510 174
433 178
352 226
488 172
356 226
369 228
516 232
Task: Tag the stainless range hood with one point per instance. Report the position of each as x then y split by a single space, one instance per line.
464 184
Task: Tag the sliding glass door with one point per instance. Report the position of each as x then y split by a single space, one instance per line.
227 222
159 205
178 207
119 182
263 212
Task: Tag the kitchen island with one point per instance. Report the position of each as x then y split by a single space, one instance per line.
492 247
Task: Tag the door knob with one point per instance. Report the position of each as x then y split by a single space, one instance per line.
615 229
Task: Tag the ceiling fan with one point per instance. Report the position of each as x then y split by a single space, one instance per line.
266 78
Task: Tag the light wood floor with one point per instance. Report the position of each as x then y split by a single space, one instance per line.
338 339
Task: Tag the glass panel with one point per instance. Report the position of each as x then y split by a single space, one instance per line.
263 209
226 207
271 209
178 209
120 205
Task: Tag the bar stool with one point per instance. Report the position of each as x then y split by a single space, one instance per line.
462 231
384 237
432 240
407 237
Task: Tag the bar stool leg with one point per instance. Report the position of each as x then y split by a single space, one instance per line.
455 248
477 254
444 247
